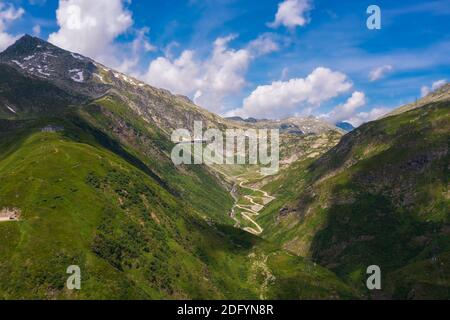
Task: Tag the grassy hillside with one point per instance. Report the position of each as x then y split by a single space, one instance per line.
98 189
83 205
131 234
153 148
379 197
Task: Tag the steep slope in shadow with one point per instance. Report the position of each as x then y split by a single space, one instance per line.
387 199
380 197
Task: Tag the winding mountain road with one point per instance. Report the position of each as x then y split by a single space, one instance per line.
249 212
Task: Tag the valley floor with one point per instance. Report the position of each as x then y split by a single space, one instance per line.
249 202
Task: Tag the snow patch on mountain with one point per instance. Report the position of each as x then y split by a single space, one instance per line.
11 109
99 77
78 77
129 80
49 54
18 63
42 72
77 56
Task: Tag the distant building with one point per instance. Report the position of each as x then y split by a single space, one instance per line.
51 128
12 214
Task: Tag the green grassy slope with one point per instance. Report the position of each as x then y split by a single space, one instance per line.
83 205
379 197
76 199
133 238
146 142
103 194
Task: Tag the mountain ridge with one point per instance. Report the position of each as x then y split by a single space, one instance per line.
86 161
380 196
75 72
440 94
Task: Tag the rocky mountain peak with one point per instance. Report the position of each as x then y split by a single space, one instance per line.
35 57
42 59
87 80
27 44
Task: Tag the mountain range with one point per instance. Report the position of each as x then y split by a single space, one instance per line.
87 180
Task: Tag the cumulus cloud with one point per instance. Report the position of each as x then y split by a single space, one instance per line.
90 27
8 13
129 55
379 73
37 30
181 75
292 13
211 80
425 90
264 44
364 117
283 98
346 110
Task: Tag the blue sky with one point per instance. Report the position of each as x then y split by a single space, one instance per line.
237 57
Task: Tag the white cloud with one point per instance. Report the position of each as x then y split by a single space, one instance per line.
264 44
180 75
141 41
128 55
8 13
90 27
211 80
37 30
380 72
283 98
348 109
425 90
292 13
364 117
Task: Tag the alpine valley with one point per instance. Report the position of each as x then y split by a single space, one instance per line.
86 179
